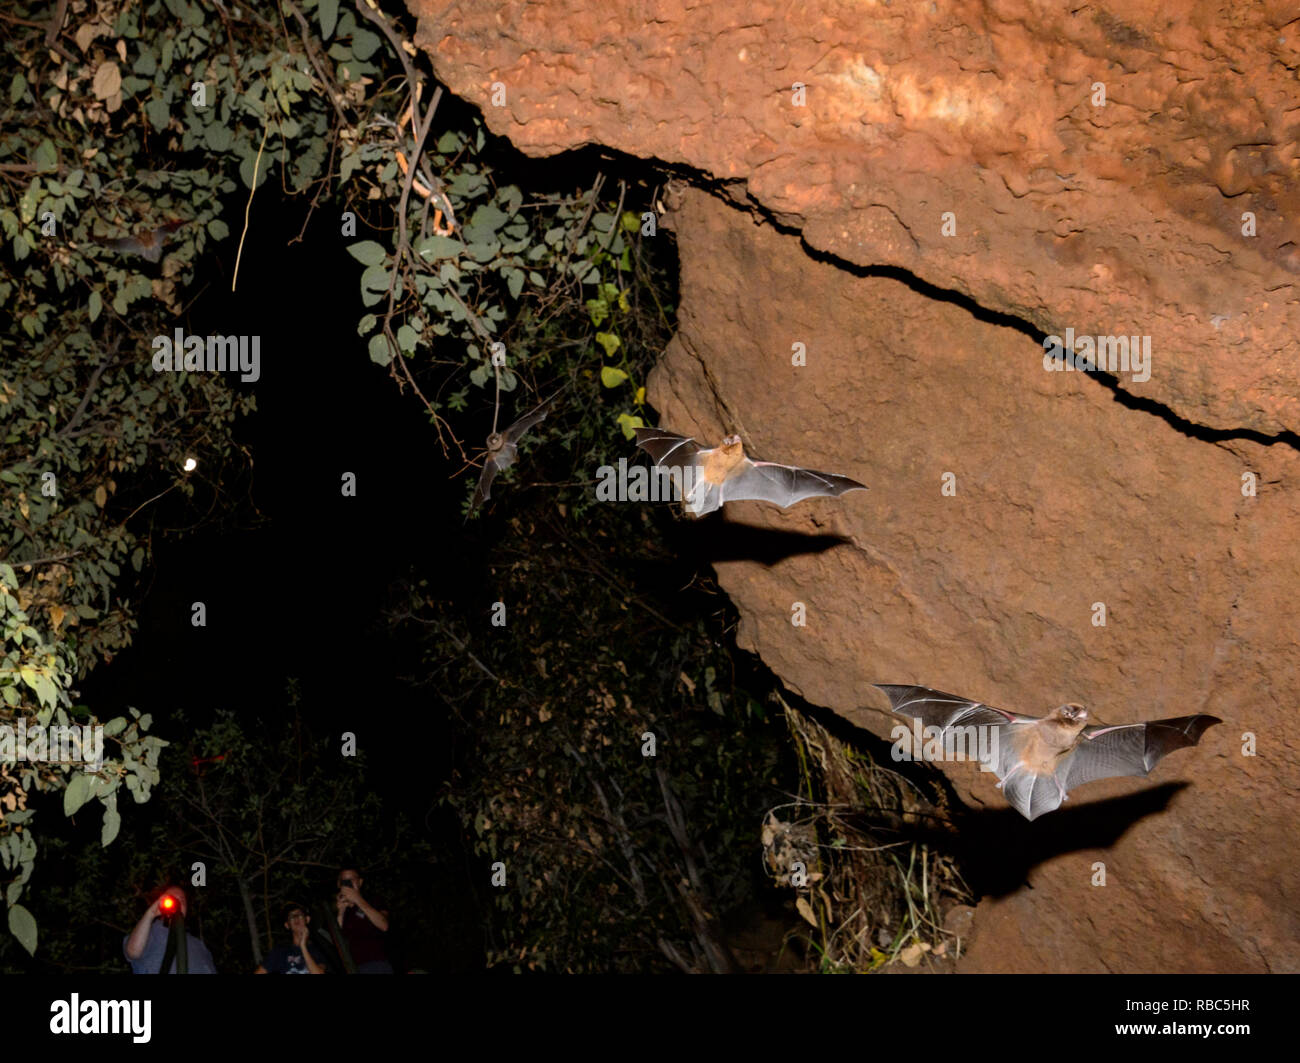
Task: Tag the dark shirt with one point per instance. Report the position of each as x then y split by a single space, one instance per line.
365 940
288 959
198 958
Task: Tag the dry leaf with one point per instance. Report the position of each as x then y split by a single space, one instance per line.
911 955
107 82
805 909
101 496
57 613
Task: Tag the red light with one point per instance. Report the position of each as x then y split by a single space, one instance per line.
168 904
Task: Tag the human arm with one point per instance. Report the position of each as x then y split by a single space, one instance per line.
139 936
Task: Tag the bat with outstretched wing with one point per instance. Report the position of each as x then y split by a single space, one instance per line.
148 245
1039 760
503 451
706 478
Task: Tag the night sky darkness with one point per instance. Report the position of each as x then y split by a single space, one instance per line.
295 576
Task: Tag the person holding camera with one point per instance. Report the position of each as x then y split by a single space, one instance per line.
363 924
304 956
146 946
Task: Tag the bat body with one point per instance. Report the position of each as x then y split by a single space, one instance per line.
149 245
706 478
1038 760
503 451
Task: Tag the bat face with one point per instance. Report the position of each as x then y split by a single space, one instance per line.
706 478
1038 760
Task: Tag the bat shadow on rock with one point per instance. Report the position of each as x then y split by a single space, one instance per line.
727 541
998 847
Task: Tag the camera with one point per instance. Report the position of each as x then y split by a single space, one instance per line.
347 882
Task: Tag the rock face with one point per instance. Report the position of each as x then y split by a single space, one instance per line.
1173 502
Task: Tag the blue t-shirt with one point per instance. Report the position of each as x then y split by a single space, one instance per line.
198 956
288 959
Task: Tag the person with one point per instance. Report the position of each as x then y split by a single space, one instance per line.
304 956
146 945
364 925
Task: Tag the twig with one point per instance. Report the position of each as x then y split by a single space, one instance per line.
248 207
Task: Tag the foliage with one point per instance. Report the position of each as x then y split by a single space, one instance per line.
614 859
269 820
168 117
847 845
35 677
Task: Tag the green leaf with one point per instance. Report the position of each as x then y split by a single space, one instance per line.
115 726
95 306
484 252
486 220
629 423
45 158
328 13
407 338
247 166
368 253
611 377
365 325
23 927
515 282
77 792
432 248
364 44
609 341
218 229
159 112
380 351
219 137
112 821
374 284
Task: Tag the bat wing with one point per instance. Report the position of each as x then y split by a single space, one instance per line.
676 453
934 708
668 447
516 430
1130 749
783 484
484 489
146 247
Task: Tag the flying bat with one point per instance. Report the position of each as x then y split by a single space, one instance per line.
503 451
724 474
148 245
1039 759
